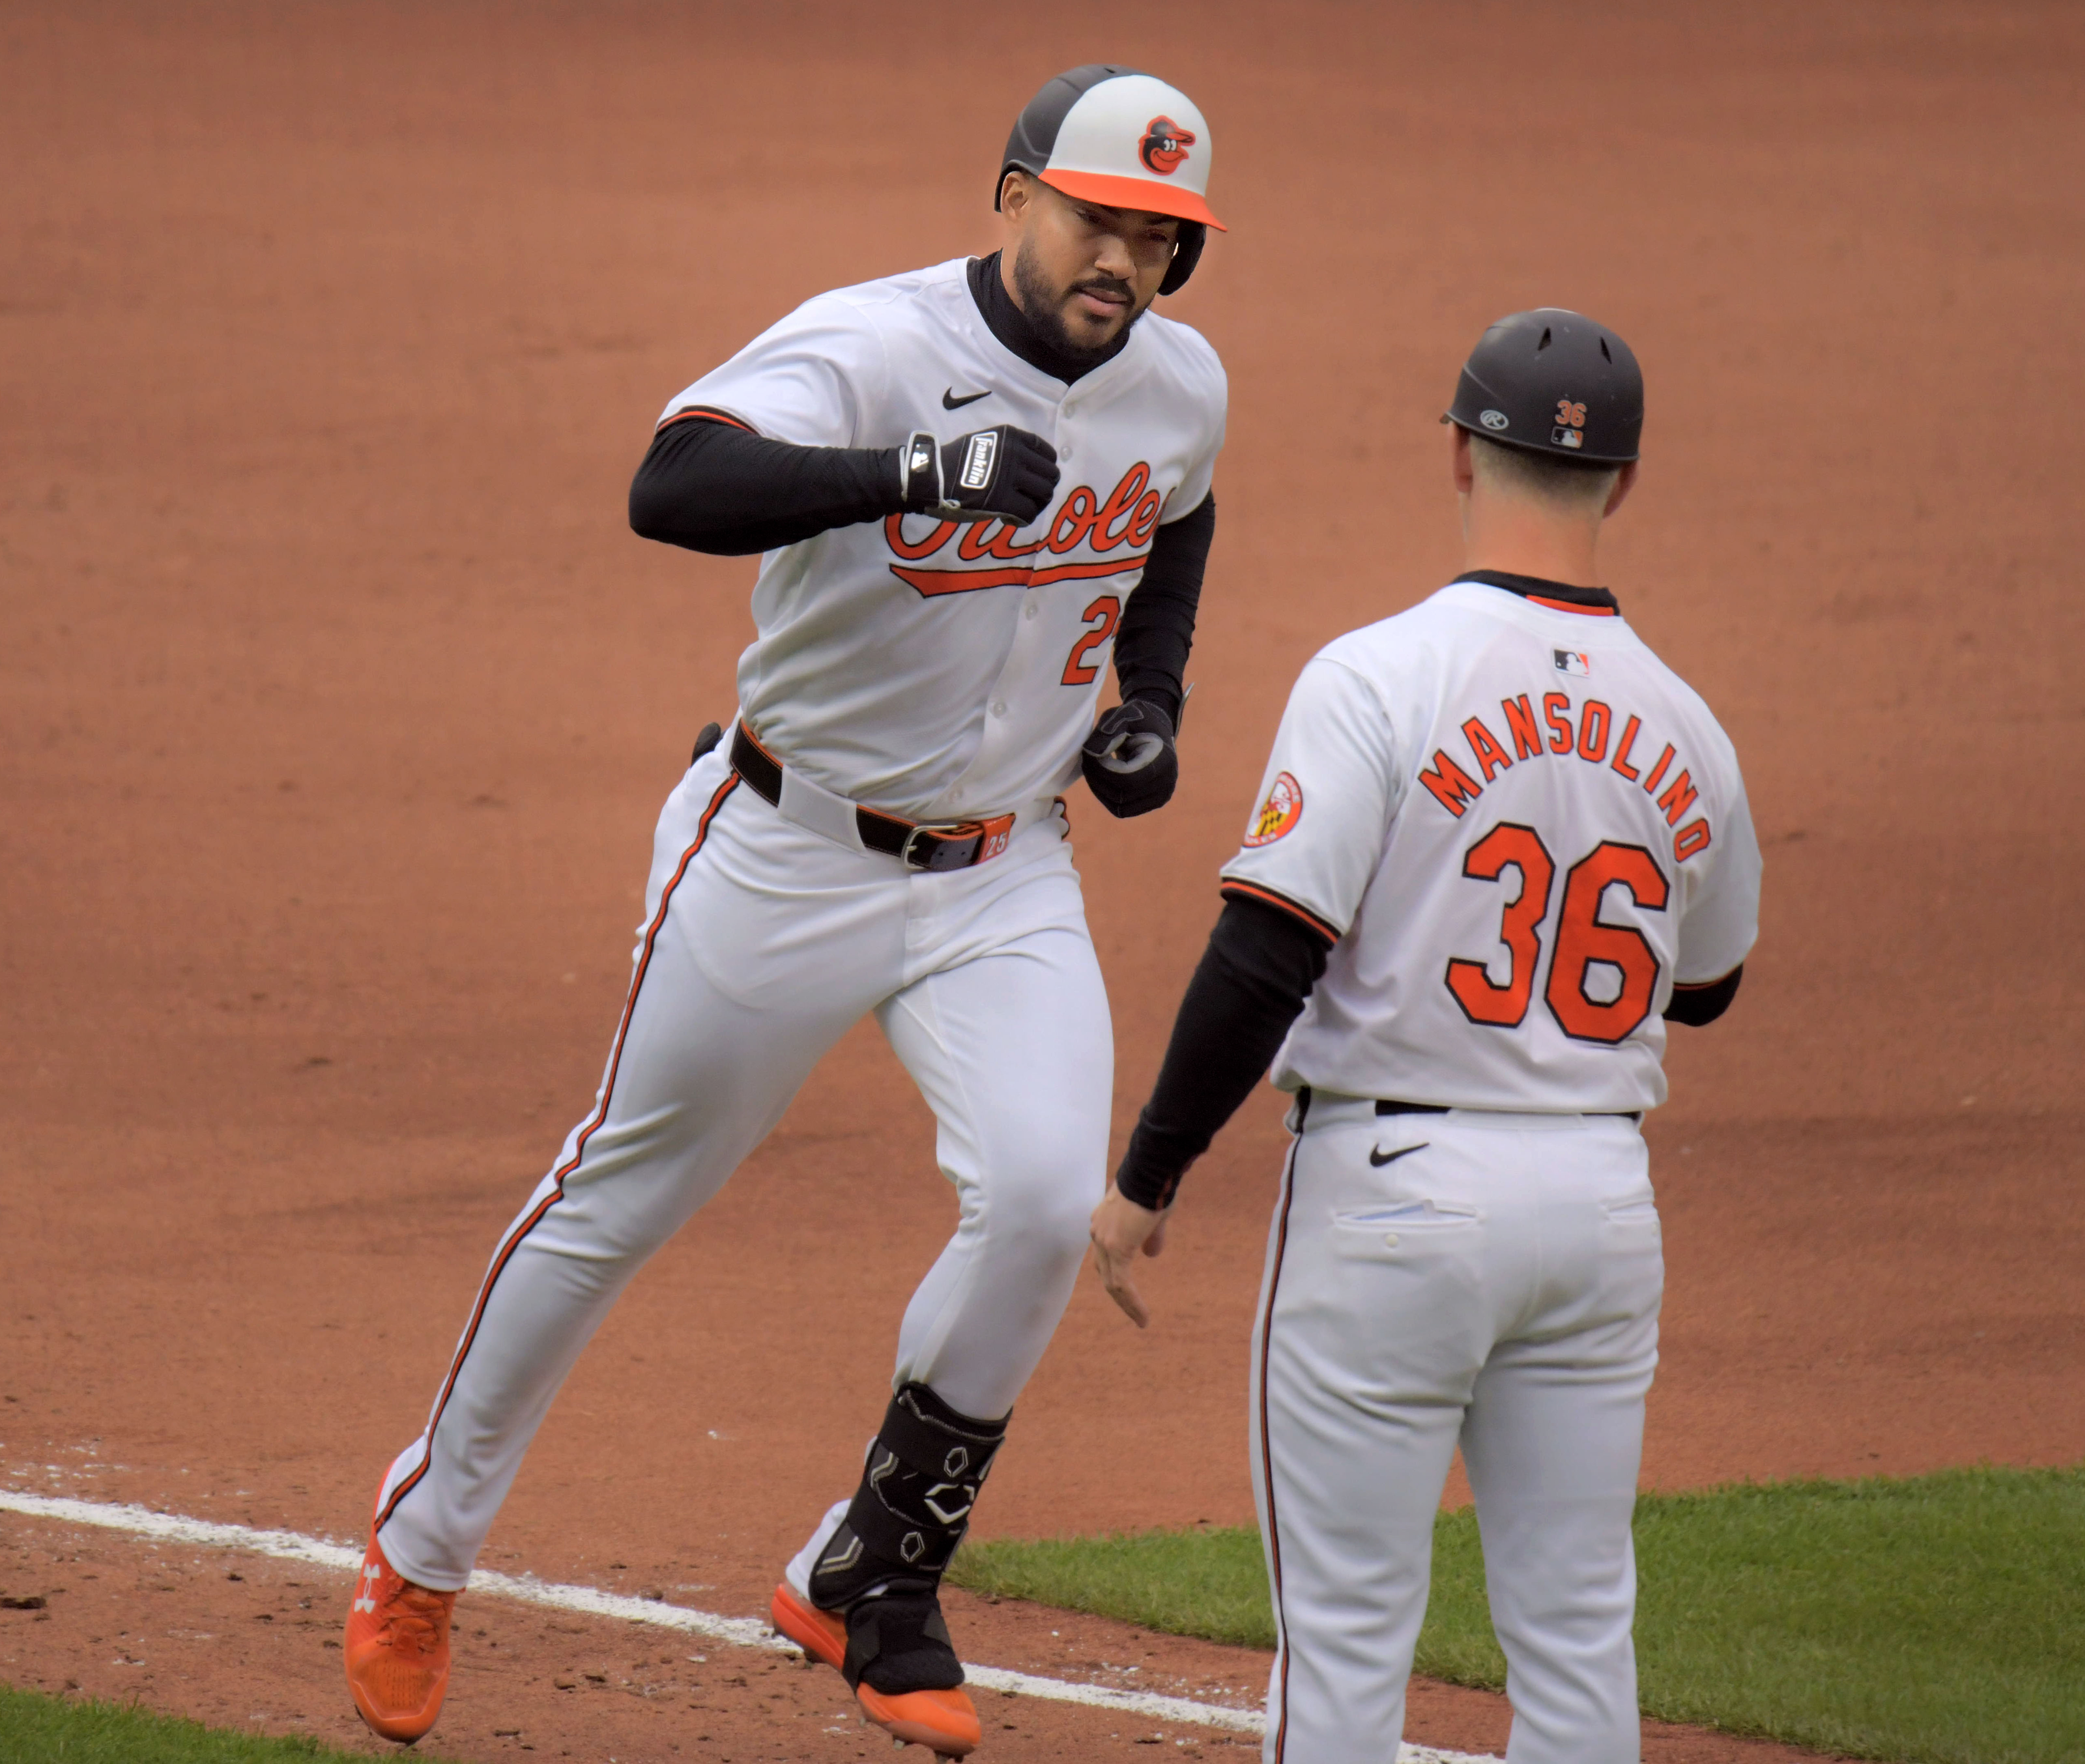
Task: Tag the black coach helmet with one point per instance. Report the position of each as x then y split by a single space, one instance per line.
1556 382
1118 136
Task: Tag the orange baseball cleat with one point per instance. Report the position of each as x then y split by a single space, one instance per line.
946 1720
397 1650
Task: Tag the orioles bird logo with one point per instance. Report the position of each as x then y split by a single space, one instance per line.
1164 145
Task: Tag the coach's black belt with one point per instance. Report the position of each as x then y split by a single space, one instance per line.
1393 1108
953 844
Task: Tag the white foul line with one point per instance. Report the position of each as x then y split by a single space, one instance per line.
591 1601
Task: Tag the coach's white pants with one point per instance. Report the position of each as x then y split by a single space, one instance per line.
763 943
1497 1286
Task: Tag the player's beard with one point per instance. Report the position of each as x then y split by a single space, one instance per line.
1043 307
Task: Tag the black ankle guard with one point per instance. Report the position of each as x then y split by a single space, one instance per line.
922 1476
898 1643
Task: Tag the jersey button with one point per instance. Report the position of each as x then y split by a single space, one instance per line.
1028 612
999 707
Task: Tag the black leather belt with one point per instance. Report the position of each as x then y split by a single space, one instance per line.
1391 1106
936 846
1442 1109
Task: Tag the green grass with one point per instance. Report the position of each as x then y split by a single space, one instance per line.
37 1729
1933 1620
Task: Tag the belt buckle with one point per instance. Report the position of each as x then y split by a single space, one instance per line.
979 841
945 837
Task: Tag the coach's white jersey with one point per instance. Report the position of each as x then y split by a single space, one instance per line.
942 670
1523 828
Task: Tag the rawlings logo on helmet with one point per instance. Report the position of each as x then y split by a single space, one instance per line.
1165 145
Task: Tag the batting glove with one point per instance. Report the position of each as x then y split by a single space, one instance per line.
1003 473
1130 761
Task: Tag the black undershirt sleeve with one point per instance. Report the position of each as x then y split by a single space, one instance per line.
1259 969
1158 625
1704 1004
711 485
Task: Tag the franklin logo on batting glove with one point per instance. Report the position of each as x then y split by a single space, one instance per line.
977 462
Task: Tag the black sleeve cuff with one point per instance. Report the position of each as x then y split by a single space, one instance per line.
1704 1004
1157 630
709 483
1259 967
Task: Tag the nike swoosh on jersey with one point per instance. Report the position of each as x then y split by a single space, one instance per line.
950 401
1379 1157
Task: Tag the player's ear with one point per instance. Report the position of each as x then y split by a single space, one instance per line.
1619 494
1458 456
1014 196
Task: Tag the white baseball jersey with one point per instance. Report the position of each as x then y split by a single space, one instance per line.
940 671
1523 829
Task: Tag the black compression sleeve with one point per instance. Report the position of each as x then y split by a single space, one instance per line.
1158 625
1697 1005
1259 969
717 487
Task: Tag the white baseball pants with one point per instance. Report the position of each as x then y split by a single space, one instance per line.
763 942
1490 1279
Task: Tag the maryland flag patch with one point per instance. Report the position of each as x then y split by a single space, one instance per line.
1282 808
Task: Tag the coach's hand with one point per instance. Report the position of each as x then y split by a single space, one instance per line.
1130 761
1120 1229
993 474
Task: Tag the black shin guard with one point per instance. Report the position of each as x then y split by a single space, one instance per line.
883 1566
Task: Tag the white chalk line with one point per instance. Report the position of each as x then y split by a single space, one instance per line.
592 1601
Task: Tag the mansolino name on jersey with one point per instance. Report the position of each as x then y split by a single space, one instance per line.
1586 732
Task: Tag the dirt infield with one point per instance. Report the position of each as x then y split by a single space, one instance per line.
339 701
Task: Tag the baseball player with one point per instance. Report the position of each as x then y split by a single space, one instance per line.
970 484
1499 845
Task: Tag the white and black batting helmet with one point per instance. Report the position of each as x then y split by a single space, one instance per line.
1116 136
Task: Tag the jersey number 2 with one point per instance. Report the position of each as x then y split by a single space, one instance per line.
1583 939
1101 615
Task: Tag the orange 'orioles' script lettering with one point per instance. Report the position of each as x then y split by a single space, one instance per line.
1127 517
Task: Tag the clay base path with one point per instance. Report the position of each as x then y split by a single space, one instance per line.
337 702
572 1671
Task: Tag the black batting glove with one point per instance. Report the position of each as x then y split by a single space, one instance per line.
1003 473
1130 761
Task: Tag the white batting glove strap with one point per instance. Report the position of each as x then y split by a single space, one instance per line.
919 470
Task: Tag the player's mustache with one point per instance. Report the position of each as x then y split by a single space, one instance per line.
1103 285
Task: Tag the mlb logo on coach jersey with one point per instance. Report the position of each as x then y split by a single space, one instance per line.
1573 661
